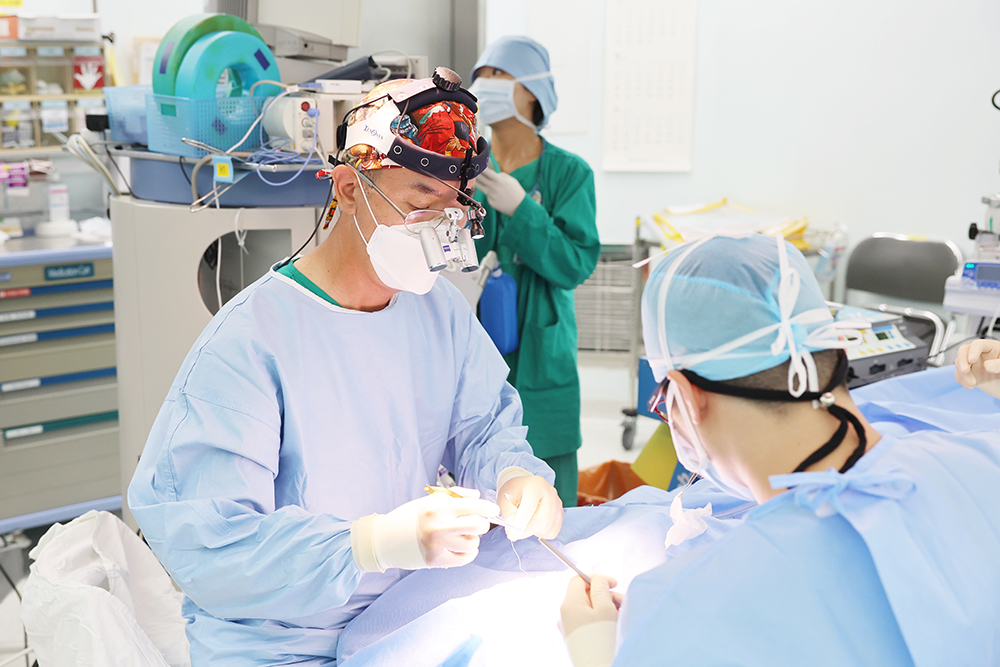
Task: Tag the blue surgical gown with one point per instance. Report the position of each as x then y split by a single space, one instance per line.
895 562
289 419
931 400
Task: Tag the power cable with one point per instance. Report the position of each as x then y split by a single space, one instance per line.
113 162
319 219
180 163
79 148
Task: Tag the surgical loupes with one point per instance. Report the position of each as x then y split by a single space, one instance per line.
448 241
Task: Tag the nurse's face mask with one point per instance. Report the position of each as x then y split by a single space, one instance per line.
496 98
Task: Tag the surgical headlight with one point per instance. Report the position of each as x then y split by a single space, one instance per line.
393 125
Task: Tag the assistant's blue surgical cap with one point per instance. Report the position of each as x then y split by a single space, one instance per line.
520 57
726 289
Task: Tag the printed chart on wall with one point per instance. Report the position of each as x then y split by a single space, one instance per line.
649 75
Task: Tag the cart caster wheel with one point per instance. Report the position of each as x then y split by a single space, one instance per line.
628 437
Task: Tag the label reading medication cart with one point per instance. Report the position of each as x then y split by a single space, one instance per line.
69 271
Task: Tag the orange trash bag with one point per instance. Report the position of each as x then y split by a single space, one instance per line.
606 481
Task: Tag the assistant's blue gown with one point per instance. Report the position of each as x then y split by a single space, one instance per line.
895 562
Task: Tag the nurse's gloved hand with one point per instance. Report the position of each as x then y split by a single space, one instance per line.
532 505
589 618
434 531
503 191
978 366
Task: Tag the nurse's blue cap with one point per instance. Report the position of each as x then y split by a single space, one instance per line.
522 56
725 289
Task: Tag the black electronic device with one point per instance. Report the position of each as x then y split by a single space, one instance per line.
894 345
98 122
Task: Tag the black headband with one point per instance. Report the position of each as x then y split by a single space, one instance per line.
715 387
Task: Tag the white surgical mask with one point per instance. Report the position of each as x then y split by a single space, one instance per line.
397 256
691 453
496 98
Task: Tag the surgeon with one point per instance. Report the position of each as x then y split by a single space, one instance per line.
283 482
542 224
865 549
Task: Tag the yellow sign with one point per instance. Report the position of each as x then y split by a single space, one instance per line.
11 3
222 170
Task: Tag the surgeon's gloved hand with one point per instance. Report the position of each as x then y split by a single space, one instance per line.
978 365
435 531
505 194
531 504
589 618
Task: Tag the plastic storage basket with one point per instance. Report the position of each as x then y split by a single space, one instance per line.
127 112
219 122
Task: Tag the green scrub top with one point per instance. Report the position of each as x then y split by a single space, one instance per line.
293 272
549 248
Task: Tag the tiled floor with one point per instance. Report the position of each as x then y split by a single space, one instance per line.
605 391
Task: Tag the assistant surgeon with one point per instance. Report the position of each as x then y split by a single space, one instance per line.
865 548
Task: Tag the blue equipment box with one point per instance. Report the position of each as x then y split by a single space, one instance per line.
647 385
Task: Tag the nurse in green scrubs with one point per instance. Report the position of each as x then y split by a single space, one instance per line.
541 221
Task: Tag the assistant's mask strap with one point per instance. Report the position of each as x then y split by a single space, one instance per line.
662 305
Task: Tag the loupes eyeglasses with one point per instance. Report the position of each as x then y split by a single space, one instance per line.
657 402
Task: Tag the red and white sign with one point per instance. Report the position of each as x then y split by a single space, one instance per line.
88 72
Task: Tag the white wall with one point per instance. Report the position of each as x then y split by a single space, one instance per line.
417 27
874 114
129 19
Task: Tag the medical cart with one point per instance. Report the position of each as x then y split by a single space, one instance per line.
608 314
58 384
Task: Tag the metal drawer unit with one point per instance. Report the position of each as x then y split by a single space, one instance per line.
59 451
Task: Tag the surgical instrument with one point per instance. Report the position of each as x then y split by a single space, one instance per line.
502 522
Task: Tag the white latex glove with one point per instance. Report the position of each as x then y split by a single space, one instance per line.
590 619
978 365
532 504
435 531
503 191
